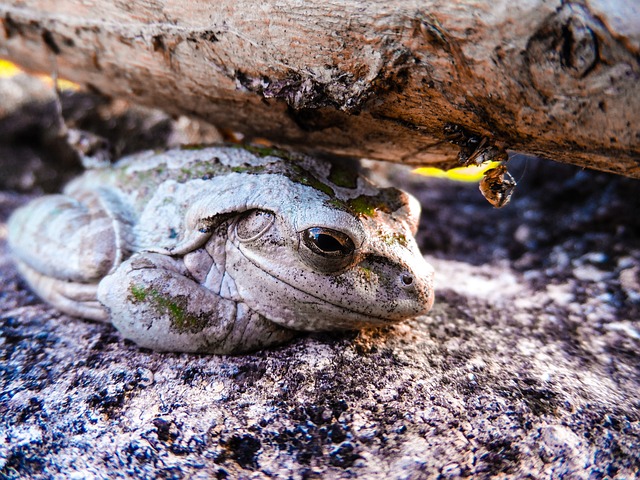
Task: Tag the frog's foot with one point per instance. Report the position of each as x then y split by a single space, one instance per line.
73 298
153 300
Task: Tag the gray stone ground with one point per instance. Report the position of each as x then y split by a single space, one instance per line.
527 367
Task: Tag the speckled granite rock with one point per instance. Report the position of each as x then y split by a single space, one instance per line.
529 364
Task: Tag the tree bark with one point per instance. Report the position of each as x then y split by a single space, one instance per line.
419 82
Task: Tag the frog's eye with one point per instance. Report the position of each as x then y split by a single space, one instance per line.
254 224
326 249
327 242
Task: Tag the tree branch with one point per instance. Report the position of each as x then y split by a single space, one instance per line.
412 81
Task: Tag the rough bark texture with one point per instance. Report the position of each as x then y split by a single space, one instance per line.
412 81
527 367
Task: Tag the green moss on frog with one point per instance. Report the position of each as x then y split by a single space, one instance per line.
394 238
311 181
138 293
363 205
246 168
388 200
290 168
263 151
367 273
342 176
175 307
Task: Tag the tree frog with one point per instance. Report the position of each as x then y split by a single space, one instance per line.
224 249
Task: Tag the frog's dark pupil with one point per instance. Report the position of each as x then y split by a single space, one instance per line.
327 243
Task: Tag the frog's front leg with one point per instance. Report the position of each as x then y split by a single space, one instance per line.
154 301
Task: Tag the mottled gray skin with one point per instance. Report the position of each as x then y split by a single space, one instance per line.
222 250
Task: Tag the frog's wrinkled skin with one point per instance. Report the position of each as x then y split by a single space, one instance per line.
222 250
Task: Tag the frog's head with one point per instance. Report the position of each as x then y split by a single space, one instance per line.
311 261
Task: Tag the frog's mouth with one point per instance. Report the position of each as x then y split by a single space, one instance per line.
323 303
302 309
312 313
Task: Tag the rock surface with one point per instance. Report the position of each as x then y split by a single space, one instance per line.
529 363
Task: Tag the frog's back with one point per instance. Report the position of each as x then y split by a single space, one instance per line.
137 177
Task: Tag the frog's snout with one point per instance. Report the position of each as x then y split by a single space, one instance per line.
418 286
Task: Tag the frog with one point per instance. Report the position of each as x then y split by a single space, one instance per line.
224 249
